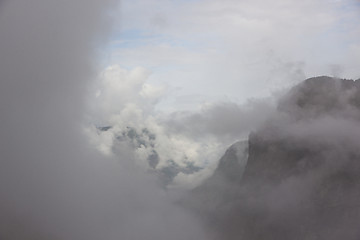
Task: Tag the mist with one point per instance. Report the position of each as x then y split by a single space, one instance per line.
53 184
82 148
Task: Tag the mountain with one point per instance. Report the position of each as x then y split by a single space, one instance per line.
232 164
140 139
302 174
214 191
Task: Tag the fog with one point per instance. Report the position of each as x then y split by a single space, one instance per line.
53 184
56 184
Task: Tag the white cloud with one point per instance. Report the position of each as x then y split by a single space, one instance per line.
151 92
126 107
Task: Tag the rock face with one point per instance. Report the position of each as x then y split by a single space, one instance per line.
214 191
302 177
232 164
314 118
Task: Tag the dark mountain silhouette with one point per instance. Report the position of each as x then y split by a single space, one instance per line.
302 176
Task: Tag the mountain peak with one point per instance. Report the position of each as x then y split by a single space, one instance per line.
321 95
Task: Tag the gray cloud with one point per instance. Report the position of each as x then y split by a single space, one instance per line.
227 120
52 185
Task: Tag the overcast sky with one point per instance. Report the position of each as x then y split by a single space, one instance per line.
208 50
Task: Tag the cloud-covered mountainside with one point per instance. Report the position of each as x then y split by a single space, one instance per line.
302 176
145 141
181 147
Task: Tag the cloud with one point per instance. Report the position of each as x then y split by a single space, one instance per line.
227 121
124 112
52 184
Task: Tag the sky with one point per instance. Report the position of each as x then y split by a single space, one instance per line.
205 51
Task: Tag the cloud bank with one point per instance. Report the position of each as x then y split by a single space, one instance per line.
52 184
